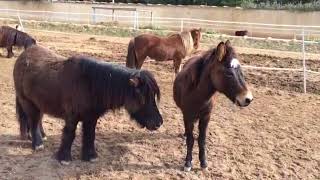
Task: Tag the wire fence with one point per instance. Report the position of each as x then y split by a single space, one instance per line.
300 36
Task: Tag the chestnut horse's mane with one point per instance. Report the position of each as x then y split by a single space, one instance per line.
187 40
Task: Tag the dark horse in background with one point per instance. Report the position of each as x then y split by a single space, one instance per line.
217 70
173 47
10 37
79 89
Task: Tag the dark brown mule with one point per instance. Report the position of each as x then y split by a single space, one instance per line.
173 47
79 89
217 70
10 37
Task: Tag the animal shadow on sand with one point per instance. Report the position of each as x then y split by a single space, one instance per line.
112 147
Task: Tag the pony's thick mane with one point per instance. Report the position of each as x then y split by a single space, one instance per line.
109 83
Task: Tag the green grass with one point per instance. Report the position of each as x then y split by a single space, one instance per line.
312 6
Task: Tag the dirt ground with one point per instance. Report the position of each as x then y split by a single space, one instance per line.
277 137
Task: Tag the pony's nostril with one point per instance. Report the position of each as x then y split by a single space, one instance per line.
248 100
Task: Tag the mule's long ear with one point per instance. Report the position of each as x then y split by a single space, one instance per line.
221 51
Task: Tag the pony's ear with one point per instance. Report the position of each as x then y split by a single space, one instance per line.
221 51
228 43
134 81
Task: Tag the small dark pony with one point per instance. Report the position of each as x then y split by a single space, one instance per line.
173 47
79 89
241 33
10 37
217 70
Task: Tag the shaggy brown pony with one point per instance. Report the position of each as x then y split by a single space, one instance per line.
79 89
12 37
173 47
217 70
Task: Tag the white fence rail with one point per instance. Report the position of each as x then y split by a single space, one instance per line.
134 21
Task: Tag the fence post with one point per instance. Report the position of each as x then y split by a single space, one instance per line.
181 25
20 22
135 20
304 63
94 16
152 21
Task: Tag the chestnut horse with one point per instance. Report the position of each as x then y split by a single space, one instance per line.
12 37
173 47
79 89
217 70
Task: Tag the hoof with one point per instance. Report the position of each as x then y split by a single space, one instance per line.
204 165
94 160
187 169
65 163
39 148
204 169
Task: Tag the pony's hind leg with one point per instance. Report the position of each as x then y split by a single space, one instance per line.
189 125
34 117
69 133
10 52
43 134
88 148
203 125
23 121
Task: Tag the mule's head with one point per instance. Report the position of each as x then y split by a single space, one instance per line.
227 77
196 37
142 105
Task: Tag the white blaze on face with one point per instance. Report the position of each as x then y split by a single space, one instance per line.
234 63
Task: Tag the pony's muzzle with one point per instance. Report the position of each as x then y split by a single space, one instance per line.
244 99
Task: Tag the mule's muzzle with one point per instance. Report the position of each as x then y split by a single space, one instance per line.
244 99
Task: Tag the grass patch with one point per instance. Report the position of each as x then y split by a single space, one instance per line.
209 37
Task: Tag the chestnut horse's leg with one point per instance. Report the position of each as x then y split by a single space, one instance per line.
140 60
189 125
203 125
10 53
176 65
88 148
69 133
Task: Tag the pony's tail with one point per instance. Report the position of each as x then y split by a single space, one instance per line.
131 56
23 121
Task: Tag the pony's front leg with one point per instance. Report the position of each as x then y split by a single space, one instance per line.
88 148
10 53
189 125
69 133
203 125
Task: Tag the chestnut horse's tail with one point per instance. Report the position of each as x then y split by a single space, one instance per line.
22 119
131 56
